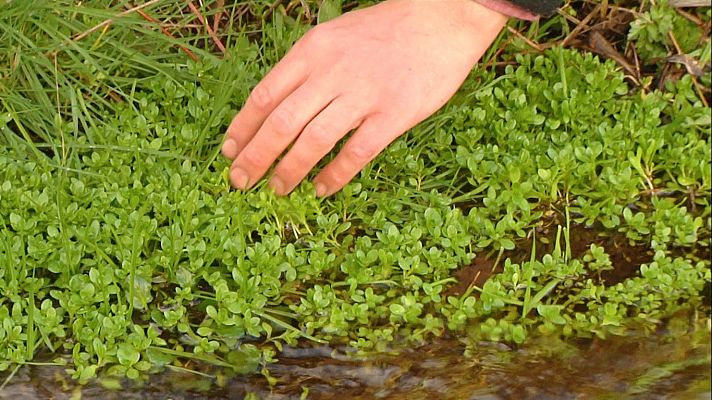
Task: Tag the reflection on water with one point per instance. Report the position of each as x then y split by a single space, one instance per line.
674 364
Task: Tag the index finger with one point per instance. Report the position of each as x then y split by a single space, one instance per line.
282 80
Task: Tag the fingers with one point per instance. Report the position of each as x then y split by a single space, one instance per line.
278 131
317 140
282 80
370 138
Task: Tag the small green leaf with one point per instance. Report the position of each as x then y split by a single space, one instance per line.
397 309
329 10
127 355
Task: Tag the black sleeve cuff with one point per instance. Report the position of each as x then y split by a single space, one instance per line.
539 7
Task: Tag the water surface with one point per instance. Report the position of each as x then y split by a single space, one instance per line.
669 364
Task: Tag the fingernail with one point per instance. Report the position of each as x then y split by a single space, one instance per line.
229 148
320 189
239 178
277 185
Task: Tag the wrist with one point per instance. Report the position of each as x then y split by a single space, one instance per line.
478 16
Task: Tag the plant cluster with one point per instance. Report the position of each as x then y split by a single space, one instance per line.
658 30
124 249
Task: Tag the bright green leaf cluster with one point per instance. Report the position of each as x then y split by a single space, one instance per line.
126 250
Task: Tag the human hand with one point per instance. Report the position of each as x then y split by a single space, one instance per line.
378 71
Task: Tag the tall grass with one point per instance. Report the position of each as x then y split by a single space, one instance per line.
62 62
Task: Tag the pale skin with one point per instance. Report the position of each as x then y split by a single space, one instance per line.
376 72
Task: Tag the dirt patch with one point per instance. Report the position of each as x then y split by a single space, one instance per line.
625 257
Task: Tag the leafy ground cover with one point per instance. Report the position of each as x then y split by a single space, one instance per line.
125 252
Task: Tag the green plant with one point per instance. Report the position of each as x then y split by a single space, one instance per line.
655 29
125 252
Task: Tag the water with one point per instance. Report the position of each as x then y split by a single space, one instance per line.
669 364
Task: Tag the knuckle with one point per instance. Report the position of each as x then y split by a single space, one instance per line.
282 121
338 176
297 162
288 174
261 97
359 153
283 172
255 159
315 36
320 135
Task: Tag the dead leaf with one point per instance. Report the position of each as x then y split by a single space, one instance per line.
693 67
602 46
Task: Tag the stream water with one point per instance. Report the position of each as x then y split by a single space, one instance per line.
669 364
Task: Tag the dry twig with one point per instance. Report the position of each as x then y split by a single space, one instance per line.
602 46
219 4
690 3
168 33
110 20
525 39
698 87
583 24
205 23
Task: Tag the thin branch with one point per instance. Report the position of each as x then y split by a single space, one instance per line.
307 11
220 5
205 23
690 3
168 33
525 39
580 27
700 92
110 20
